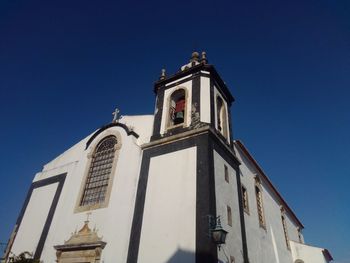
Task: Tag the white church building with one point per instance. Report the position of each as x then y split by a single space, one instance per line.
173 187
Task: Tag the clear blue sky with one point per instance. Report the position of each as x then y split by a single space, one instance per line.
65 65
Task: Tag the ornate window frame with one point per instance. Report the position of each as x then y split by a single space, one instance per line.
259 199
245 199
91 150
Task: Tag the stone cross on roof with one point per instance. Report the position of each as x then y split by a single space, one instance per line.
116 115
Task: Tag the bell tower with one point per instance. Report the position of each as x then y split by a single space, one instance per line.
190 99
183 170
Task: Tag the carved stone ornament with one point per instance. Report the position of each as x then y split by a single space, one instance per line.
195 118
257 180
283 210
82 246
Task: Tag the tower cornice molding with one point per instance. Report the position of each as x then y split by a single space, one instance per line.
193 70
189 134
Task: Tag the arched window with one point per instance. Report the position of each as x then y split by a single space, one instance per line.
221 116
99 172
177 107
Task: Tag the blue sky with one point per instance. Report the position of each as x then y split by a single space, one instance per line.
65 65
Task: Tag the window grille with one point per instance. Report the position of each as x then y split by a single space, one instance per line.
245 199
260 206
99 172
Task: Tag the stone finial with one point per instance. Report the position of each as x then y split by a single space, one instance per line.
163 74
195 57
204 59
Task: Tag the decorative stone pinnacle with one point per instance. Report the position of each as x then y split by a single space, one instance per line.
195 56
204 59
163 74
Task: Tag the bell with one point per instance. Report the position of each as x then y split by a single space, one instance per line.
179 117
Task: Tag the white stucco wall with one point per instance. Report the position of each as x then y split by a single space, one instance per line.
141 124
292 228
63 162
205 99
187 86
34 219
226 195
264 245
169 220
308 254
112 222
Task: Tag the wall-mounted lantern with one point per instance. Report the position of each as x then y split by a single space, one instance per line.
217 233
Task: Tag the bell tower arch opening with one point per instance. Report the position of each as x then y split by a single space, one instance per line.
221 116
177 108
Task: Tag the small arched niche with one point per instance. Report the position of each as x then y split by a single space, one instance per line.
177 108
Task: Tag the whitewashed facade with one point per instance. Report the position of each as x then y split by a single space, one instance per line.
145 195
